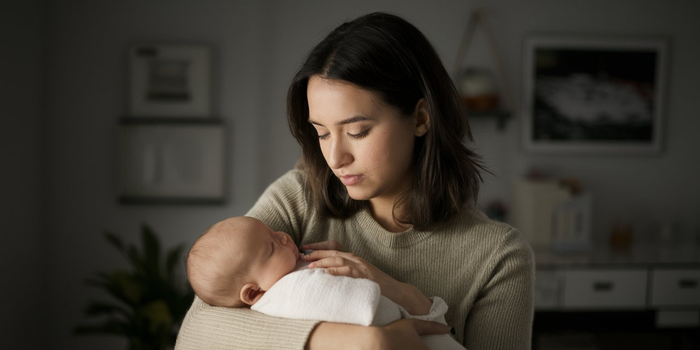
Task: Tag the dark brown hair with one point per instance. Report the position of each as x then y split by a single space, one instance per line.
389 56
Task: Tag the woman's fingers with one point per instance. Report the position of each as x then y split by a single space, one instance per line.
342 271
323 254
334 261
325 245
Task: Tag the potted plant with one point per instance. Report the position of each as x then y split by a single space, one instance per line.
148 302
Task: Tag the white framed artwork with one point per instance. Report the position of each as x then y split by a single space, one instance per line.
173 162
168 81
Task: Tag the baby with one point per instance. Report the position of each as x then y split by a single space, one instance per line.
241 262
236 260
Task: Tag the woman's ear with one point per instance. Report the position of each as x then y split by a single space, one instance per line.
422 114
251 293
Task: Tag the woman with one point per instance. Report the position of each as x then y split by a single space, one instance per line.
384 174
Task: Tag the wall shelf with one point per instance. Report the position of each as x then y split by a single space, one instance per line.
501 116
504 111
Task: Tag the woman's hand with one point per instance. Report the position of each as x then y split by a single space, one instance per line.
405 334
401 334
347 264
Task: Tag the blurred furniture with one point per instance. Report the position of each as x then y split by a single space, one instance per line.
647 288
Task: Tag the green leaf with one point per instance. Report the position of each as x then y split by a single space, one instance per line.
158 315
151 252
136 261
95 308
129 287
172 260
114 285
146 304
108 327
116 242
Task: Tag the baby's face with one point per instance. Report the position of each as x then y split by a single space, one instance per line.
271 254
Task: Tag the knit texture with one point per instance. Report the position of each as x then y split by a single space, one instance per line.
484 270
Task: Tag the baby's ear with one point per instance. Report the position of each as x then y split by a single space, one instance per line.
251 293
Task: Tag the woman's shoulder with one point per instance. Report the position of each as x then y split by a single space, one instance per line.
478 230
283 205
288 187
474 220
294 178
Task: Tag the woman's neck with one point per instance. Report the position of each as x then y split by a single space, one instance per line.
382 211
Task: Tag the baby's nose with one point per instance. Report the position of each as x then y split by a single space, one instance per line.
283 239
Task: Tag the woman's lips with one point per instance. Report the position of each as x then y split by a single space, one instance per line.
349 180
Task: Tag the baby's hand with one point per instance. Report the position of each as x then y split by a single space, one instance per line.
325 245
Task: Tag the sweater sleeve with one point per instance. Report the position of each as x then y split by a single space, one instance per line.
206 327
501 317
219 328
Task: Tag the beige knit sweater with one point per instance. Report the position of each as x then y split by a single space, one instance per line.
484 270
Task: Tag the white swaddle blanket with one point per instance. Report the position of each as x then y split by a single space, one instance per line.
312 294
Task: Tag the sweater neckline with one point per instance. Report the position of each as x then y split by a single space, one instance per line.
385 237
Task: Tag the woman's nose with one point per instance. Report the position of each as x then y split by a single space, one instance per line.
337 155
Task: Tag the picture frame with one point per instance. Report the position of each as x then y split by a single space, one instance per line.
169 81
593 95
176 161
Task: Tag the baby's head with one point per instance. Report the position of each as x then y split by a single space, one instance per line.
236 260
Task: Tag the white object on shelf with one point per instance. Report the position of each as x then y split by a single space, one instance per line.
571 227
535 201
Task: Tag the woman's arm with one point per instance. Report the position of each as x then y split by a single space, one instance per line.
282 207
501 318
402 334
218 328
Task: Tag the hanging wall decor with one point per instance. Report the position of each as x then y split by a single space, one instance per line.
169 81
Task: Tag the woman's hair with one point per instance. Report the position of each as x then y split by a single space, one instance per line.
387 55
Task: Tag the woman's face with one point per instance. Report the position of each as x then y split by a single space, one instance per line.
366 142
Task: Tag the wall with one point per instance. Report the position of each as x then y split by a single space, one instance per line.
87 44
22 251
258 46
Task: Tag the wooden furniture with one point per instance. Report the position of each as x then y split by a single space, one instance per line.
663 281
645 298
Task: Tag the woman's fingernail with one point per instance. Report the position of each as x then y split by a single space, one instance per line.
312 265
452 330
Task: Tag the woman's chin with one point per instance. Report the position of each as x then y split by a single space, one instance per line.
359 195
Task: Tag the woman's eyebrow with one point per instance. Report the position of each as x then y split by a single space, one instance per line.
354 119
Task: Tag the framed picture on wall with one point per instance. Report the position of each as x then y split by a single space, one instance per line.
169 81
585 95
171 162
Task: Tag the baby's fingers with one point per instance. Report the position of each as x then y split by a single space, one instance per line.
325 245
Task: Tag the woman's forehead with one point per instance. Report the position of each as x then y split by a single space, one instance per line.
340 102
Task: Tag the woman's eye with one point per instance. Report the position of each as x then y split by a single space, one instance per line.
359 135
323 137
